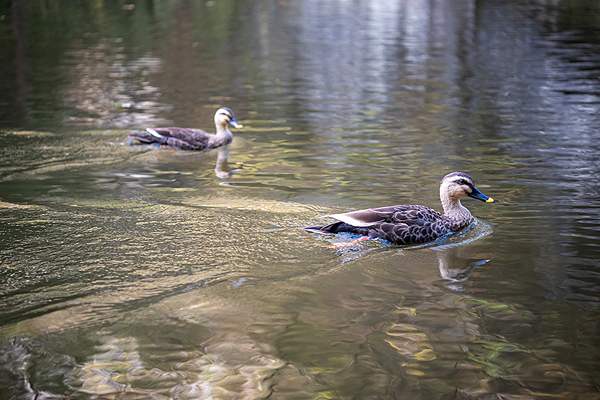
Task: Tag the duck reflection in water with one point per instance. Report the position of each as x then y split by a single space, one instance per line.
453 259
455 269
223 170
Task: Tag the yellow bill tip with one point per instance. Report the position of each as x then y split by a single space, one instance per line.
490 200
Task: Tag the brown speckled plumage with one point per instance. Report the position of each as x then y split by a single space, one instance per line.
411 224
193 139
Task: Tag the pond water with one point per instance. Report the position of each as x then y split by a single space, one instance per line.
134 271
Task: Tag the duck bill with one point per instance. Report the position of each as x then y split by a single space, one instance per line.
476 194
235 124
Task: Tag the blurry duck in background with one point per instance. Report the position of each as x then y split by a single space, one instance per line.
411 224
193 139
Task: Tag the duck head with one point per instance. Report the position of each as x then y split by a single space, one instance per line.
224 116
457 185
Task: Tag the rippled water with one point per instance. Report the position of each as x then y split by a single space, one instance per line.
140 272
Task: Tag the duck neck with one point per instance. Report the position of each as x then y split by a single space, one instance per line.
222 137
454 210
223 131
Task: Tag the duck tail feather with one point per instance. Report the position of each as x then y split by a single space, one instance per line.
143 138
335 227
154 133
318 229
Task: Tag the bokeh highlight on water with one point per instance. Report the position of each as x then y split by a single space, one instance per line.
133 271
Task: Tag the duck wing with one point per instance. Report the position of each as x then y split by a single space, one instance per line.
184 138
402 224
401 214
